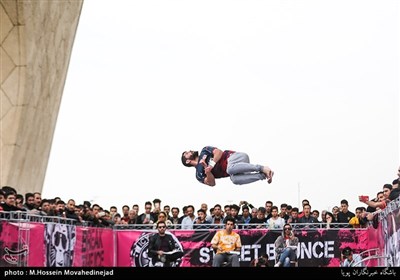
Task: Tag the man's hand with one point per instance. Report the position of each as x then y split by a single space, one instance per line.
203 161
216 248
209 180
208 169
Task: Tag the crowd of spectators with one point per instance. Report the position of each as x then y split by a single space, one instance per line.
245 214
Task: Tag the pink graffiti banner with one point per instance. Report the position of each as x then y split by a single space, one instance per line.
94 247
59 245
132 247
125 240
317 248
22 244
36 245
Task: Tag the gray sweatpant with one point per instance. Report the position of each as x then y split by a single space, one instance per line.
242 171
231 259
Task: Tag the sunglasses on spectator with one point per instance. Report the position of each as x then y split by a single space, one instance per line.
161 227
288 228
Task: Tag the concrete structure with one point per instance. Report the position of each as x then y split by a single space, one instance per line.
36 38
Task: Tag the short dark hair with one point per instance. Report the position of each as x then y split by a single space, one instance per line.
28 195
183 158
125 206
236 207
87 204
218 205
387 186
230 219
62 202
161 222
262 210
344 201
8 189
305 201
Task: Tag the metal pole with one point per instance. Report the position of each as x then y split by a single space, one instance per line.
298 194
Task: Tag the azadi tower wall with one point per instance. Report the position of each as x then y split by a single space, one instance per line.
36 38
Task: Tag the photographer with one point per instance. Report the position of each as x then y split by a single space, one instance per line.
348 259
260 262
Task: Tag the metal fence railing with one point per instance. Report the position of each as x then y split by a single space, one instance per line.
28 217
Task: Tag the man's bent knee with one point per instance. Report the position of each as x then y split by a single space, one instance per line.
236 180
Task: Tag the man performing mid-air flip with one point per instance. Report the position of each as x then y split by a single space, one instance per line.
214 163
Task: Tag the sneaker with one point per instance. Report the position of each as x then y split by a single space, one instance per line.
278 264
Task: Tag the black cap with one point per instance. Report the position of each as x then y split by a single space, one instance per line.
346 251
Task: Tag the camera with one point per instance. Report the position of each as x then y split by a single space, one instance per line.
262 262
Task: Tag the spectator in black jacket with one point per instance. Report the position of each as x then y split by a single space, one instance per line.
161 243
9 203
395 193
345 215
307 218
379 197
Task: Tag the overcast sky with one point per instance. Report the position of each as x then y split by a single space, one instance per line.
309 88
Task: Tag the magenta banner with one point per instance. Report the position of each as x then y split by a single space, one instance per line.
94 247
317 248
125 239
21 244
61 245
36 257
